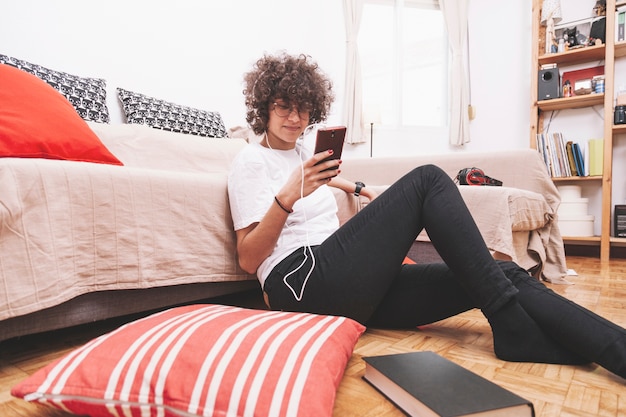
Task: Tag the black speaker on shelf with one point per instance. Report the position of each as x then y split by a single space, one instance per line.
548 85
619 220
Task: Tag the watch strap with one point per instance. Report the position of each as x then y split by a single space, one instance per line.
359 187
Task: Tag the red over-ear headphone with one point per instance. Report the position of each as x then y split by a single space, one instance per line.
475 176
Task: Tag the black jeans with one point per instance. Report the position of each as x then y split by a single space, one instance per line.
358 270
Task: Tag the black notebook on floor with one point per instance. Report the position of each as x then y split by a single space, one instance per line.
427 384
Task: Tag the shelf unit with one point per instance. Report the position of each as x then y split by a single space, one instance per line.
608 52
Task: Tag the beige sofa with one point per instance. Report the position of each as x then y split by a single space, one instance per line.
81 242
518 220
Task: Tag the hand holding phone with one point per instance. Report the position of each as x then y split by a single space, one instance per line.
330 138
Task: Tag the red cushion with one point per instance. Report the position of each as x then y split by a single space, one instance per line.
36 121
207 360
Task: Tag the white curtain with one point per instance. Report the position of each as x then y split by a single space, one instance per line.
455 15
353 102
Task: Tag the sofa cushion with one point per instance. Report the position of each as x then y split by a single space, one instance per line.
36 121
144 147
142 109
87 95
203 360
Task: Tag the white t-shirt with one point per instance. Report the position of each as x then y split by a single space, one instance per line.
256 176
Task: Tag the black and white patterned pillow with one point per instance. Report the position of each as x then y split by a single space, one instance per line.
87 95
161 114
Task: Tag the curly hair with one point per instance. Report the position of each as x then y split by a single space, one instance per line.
295 79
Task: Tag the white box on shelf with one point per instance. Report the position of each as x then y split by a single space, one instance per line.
574 206
576 225
569 192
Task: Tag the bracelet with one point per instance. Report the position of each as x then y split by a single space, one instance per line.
285 209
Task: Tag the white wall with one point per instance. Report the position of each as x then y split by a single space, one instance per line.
195 52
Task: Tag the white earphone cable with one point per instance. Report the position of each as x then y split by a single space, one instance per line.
298 295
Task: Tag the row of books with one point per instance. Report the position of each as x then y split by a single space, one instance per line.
567 158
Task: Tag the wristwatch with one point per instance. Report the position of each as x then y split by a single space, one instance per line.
359 187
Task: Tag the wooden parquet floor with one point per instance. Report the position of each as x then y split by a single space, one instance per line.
555 390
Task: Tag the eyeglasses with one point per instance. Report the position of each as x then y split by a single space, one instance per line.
282 110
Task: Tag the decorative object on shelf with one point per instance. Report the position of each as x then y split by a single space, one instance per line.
576 34
590 31
597 83
598 27
567 89
551 15
600 8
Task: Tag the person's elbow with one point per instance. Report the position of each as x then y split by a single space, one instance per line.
247 256
249 270
247 266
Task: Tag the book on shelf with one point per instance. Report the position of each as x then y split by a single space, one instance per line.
427 384
579 160
571 158
562 157
596 155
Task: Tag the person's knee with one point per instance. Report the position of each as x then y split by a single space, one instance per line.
430 171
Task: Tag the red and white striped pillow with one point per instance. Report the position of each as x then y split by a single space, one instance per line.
207 360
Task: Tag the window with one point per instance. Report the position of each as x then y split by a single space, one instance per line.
404 56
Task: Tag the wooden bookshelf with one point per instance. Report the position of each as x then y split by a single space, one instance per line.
607 53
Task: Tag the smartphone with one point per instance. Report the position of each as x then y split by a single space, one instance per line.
330 138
